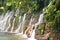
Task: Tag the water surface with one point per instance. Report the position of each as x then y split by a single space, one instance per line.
10 36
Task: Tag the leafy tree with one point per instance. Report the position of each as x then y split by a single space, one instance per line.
53 14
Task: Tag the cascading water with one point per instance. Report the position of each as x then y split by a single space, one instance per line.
33 31
6 19
23 22
12 25
19 25
9 24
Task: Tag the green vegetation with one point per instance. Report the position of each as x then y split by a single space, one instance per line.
42 30
23 5
50 38
53 15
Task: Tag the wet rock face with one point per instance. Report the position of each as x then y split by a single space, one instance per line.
56 36
27 20
37 35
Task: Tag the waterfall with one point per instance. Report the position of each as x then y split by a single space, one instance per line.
3 21
7 18
9 24
19 26
13 25
23 22
35 25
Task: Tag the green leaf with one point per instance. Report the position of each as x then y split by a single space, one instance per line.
2 8
8 4
50 38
